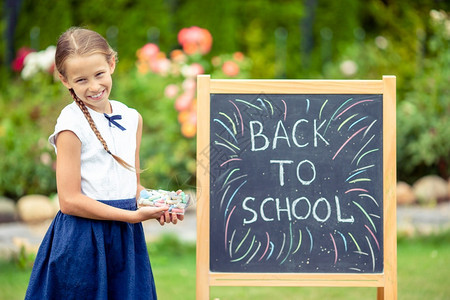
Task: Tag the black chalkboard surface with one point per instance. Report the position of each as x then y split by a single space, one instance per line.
296 183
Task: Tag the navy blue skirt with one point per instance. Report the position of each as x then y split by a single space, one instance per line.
89 259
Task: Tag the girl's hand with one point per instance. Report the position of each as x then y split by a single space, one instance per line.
167 217
150 212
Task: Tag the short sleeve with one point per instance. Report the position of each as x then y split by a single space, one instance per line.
69 119
102 178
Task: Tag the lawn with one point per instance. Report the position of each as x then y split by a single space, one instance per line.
423 272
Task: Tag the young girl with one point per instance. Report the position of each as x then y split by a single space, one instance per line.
95 246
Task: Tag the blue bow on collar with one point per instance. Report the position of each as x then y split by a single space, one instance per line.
112 119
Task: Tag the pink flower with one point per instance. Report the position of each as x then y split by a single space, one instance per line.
148 51
230 68
183 101
195 39
171 90
161 66
192 70
189 84
197 69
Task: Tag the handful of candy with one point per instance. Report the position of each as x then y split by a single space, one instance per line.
177 201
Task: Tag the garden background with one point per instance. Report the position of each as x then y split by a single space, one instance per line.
346 39
164 44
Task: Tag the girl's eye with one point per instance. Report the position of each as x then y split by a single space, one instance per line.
100 74
79 80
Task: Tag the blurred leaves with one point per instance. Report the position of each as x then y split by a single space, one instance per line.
27 116
423 116
292 39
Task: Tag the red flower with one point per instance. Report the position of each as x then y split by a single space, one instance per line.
195 39
17 64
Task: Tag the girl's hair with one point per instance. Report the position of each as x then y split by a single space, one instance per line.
83 42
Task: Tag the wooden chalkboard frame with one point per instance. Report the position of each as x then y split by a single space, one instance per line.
385 282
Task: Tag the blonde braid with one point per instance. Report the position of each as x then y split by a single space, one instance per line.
91 122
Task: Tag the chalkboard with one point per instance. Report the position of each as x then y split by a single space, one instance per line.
296 183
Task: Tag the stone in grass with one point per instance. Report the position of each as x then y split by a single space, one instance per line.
35 208
8 211
430 189
405 194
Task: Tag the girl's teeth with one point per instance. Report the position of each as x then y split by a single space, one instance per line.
96 96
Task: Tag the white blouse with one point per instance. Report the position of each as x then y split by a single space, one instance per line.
102 178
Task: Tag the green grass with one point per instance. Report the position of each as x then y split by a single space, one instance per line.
423 272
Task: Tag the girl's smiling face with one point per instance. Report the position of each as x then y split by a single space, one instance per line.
90 78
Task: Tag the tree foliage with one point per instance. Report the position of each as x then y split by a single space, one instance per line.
293 39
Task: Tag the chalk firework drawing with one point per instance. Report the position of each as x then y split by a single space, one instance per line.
296 183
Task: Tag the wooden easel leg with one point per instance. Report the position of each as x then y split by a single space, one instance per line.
387 293
202 293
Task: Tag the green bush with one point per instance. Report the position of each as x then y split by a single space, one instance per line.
29 109
168 148
27 114
166 155
313 39
423 117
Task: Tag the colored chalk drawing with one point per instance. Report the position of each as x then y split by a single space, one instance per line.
296 183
